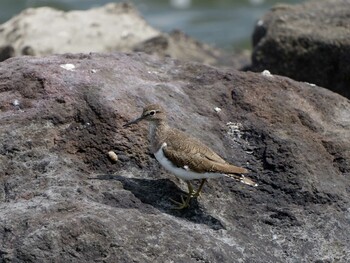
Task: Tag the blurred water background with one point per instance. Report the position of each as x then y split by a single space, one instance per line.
226 24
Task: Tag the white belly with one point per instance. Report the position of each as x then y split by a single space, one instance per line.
182 173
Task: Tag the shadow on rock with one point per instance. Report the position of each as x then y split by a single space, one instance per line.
158 193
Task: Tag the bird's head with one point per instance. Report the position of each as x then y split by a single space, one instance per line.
151 113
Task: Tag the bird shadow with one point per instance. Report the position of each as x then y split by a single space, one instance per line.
158 192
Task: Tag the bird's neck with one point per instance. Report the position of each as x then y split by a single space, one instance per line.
157 132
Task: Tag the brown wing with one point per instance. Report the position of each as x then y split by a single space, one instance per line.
191 145
184 150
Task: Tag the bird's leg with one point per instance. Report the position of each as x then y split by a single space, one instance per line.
190 188
184 202
196 194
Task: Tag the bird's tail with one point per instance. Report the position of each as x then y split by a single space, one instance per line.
241 178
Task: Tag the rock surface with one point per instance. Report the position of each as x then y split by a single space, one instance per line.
63 200
307 42
113 27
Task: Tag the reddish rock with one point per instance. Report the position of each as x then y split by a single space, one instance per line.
62 199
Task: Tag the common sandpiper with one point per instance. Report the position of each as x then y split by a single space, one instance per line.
185 156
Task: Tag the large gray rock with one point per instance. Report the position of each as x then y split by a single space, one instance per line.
307 42
63 200
46 30
113 27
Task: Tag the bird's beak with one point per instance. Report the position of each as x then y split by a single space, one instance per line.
133 122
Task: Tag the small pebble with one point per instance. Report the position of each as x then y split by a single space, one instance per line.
217 109
267 73
113 156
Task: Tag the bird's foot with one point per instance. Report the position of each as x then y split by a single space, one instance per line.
195 194
198 193
183 204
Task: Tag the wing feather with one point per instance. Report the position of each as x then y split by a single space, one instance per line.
184 150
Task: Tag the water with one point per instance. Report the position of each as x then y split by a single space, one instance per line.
226 24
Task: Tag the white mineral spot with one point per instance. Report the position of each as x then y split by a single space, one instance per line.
15 103
93 71
217 109
69 67
234 129
267 73
152 72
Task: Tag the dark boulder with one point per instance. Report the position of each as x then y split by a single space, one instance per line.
307 42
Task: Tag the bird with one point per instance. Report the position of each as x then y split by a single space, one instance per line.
185 156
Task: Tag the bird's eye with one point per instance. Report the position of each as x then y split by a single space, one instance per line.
152 112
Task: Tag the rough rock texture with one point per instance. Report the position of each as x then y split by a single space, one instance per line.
113 27
63 200
307 42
